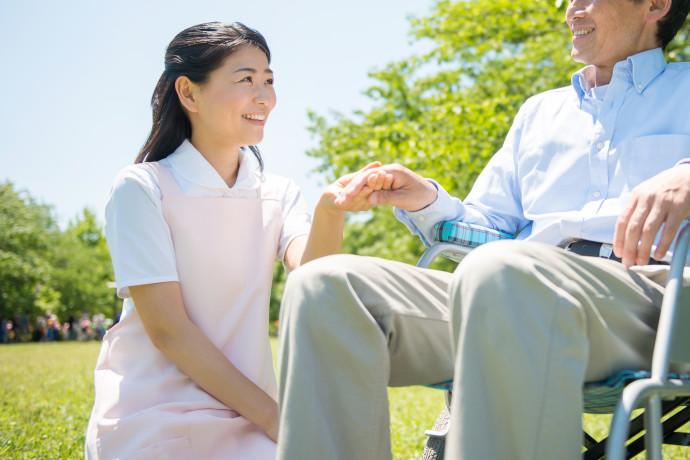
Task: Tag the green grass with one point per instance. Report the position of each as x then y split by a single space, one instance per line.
46 392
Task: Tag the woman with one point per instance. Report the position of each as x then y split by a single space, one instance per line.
194 228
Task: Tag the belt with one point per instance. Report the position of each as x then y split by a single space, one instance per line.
603 250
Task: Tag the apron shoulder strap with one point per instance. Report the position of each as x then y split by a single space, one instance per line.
169 186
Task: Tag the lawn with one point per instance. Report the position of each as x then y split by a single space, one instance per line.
46 391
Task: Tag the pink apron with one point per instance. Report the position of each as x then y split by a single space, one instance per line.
145 407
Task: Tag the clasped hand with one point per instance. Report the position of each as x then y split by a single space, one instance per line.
385 185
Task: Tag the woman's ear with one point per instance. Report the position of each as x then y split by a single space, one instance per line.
658 9
185 89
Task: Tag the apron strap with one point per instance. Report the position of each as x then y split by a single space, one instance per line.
169 186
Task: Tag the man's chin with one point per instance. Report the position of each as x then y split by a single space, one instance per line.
578 57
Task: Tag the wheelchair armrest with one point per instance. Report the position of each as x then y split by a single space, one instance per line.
458 250
455 239
670 306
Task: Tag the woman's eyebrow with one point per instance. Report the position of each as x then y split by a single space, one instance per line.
252 70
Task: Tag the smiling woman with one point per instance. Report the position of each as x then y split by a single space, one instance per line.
229 109
194 229
192 57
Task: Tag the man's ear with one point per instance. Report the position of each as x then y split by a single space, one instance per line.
658 9
185 89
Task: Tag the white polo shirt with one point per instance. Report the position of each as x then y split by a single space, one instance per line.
140 244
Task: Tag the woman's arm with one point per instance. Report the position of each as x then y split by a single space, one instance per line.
326 234
162 312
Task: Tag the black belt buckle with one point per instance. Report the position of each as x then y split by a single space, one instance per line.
602 250
592 249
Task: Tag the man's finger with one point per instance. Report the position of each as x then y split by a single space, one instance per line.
383 197
633 232
621 226
650 227
671 226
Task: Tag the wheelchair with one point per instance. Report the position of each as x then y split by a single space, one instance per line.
664 396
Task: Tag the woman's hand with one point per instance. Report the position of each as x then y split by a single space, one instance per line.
272 429
326 235
162 312
367 180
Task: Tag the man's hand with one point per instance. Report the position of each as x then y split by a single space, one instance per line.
401 187
662 200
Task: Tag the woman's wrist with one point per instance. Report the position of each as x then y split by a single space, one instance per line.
266 414
326 206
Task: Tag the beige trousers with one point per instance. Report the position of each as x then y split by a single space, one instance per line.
523 324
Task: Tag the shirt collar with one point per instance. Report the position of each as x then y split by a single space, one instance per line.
642 68
189 163
646 66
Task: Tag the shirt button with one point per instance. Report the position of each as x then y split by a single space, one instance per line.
639 86
597 194
420 218
600 145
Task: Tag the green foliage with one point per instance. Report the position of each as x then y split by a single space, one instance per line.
26 233
45 269
277 287
82 269
445 113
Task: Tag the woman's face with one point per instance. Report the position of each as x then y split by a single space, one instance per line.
234 102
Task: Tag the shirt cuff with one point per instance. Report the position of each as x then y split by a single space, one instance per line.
422 222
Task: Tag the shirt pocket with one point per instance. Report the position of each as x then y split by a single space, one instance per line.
641 158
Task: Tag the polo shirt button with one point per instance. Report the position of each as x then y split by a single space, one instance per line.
639 86
597 194
600 145
420 218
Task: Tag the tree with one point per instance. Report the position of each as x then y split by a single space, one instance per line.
26 232
82 269
45 269
445 113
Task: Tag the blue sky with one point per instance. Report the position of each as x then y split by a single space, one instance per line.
77 78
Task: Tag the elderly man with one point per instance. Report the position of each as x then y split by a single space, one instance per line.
603 164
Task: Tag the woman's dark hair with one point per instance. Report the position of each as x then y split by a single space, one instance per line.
195 53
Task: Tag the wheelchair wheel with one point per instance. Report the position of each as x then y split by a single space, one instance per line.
436 446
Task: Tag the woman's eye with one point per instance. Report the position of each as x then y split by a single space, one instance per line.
247 79
269 81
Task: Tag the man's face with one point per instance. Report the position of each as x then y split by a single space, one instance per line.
609 31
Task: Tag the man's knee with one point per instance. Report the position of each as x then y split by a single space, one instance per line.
491 268
488 262
323 283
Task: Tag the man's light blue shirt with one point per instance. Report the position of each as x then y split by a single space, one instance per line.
569 161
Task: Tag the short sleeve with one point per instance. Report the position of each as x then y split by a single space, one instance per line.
138 237
296 217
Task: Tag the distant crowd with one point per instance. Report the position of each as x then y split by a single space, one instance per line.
48 328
